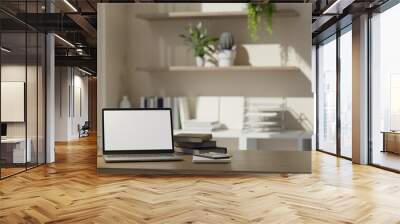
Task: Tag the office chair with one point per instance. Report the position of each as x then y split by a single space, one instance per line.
84 130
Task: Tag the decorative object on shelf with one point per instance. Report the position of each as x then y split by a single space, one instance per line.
179 106
265 114
256 11
201 43
125 103
227 50
211 60
200 61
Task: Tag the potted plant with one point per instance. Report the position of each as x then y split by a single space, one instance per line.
201 43
258 11
227 52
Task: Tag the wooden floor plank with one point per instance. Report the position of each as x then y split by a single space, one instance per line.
71 191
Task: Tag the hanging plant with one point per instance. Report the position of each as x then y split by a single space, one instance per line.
257 11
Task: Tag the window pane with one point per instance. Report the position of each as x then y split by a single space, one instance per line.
346 94
385 87
327 96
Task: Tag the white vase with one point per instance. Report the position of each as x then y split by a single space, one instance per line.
125 103
200 61
211 61
226 58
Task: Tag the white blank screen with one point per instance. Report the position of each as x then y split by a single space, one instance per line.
12 101
137 130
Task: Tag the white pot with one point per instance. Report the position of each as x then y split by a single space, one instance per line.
226 58
125 103
210 61
200 61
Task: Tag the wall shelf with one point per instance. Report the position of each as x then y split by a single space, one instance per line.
238 68
208 15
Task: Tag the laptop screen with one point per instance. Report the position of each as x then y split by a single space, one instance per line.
135 130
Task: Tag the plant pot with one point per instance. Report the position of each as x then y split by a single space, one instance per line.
210 61
226 58
200 61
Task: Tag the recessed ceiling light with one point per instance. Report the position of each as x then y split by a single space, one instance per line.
335 6
5 50
84 71
64 40
70 5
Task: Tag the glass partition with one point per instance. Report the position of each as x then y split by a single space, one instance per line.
385 89
15 149
327 95
23 91
32 97
41 97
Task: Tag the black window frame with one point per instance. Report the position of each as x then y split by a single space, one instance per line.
336 31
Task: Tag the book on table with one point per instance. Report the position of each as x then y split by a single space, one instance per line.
199 159
193 145
191 151
192 138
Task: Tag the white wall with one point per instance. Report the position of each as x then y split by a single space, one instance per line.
67 115
33 127
112 41
17 73
126 42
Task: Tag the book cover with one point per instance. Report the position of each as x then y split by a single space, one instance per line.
192 138
160 101
193 145
198 159
190 151
176 113
143 102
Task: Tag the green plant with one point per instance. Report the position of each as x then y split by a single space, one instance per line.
199 40
226 41
256 11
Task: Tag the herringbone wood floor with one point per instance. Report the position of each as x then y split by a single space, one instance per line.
70 191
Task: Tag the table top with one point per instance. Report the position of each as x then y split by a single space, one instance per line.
13 140
249 161
391 132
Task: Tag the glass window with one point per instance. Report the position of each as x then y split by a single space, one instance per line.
346 92
385 89
327 96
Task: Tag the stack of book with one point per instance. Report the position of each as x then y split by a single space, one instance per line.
196 144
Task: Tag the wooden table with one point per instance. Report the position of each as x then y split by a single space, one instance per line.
391 141
251 161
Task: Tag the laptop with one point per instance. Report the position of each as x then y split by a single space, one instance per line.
138 135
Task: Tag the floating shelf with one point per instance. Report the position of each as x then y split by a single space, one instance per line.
239 68
209 15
